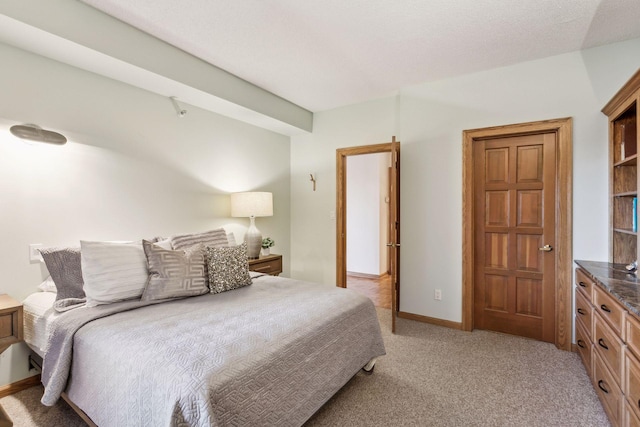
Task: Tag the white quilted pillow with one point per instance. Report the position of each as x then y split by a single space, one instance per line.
113 271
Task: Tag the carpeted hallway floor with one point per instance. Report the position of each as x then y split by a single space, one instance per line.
431 376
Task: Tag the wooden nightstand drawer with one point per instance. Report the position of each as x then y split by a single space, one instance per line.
10 321
270 264
6 326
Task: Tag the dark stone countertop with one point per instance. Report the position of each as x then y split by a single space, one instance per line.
615 279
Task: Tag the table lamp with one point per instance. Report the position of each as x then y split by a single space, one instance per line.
252 204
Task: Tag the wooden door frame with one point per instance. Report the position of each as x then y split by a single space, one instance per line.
564 233
341 202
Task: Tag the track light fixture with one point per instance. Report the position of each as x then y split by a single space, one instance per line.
181 112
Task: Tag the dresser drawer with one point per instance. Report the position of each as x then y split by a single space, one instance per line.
585 347
632 328
609 346
585 284
584 312
607 390
630 418
631 383
610 309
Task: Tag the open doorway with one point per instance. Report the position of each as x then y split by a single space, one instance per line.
368 201
382 237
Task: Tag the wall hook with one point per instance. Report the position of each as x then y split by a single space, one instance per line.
313 179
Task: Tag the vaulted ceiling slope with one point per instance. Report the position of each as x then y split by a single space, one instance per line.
325 54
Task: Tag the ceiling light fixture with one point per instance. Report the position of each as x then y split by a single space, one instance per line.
32 132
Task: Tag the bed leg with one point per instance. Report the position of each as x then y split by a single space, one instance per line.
368 368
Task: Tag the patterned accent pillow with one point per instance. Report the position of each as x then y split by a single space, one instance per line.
228 268
65 268
213 238
174 274
113 271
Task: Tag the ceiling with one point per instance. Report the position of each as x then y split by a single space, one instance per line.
324 54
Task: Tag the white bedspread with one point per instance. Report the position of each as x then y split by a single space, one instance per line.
270 353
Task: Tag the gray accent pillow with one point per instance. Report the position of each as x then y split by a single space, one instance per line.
217 237
228 268
174 274
65 268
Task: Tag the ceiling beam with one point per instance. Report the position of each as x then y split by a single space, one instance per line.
72 32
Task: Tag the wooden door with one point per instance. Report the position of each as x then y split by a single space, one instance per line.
514 224
394 236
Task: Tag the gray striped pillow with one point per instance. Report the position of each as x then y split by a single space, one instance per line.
214 238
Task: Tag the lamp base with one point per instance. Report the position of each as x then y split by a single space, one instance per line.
253 237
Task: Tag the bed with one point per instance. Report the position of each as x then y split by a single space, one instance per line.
271 353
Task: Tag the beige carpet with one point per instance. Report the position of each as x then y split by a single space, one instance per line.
431 376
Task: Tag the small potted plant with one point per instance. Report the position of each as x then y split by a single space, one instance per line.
267 242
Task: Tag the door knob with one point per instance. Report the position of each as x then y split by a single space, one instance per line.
396 245
546 248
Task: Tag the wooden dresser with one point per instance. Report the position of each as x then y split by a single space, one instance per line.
607 313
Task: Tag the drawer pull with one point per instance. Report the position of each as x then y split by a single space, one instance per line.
602 344
581 311
581 345
605 308
600 385
582 284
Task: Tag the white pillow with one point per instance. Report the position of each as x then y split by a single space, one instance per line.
48 285
113 271
231 239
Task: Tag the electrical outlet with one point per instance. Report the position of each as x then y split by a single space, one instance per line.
437 295
34 254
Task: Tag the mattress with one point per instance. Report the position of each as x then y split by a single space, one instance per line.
38 316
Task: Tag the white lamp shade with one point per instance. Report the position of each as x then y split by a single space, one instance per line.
251 203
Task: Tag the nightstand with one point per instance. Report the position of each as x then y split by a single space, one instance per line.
10 322
10 333
269 264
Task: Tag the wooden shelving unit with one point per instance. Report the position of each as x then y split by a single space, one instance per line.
622 112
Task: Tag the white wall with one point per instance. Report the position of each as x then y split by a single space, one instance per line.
313 227
132 169
366 213
429 120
